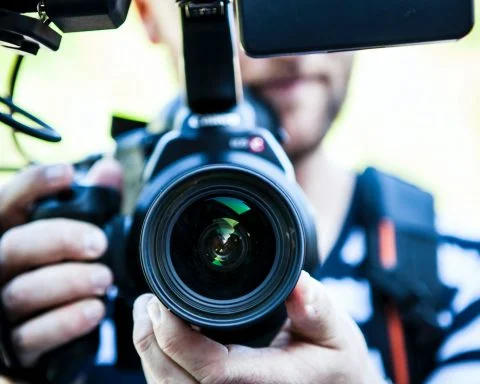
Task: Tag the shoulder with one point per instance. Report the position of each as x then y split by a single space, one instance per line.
459 261
459 268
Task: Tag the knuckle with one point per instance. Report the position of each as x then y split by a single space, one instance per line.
73 329
211 373
67 240
82 279
77 286
7 245
13 296
168 343
74 237
84 320
168 380
20 341
142 341
34 175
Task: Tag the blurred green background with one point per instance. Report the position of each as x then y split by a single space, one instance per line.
414 111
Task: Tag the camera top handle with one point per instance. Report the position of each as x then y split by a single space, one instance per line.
211 66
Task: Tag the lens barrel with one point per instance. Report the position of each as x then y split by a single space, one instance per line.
223 247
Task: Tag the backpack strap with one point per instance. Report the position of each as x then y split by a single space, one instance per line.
401 265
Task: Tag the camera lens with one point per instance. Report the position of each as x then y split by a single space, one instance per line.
223 247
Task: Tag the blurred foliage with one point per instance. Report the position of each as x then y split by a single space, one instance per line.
414 111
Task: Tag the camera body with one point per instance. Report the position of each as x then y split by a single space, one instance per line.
220 231
214 223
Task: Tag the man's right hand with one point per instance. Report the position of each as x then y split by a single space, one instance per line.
50 281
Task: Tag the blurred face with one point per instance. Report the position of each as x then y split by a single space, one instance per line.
305 91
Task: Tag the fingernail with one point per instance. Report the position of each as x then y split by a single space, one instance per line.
56 173
308 292
95 243
101 279
141 303
94 312
154 311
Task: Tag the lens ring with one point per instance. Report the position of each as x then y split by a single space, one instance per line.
160 274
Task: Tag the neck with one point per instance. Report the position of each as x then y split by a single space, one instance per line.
329 189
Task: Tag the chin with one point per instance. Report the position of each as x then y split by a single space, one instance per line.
305 129
302 143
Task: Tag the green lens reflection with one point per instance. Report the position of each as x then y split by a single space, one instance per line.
236 205
225 240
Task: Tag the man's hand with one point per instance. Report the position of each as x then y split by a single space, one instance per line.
49 291
320 344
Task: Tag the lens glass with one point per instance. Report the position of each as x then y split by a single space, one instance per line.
223 247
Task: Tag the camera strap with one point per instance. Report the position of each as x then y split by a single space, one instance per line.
401 265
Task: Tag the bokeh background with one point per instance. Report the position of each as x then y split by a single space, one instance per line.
413 111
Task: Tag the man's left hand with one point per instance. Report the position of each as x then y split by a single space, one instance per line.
319 344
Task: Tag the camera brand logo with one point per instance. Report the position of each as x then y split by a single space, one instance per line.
217 120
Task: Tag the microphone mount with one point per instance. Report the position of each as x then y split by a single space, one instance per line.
27 34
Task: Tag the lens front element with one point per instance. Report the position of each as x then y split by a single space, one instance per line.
223 247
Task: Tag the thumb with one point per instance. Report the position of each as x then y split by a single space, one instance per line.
314 316
105 173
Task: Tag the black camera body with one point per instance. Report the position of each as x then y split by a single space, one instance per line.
222 201
220 232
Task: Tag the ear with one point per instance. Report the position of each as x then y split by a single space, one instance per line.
147 14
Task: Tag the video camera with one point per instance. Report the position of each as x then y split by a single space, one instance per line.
220 231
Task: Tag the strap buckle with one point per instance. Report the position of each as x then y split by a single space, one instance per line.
414 300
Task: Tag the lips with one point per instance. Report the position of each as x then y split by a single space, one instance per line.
282 85
284 93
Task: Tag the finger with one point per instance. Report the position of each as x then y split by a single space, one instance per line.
56 328
283 337
157 366
46 242
192 351
106 173
210 362
314 316
28 186
53 286
149 376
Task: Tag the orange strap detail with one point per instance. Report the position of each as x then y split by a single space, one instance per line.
396 333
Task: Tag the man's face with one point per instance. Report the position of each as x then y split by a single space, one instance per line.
305 91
